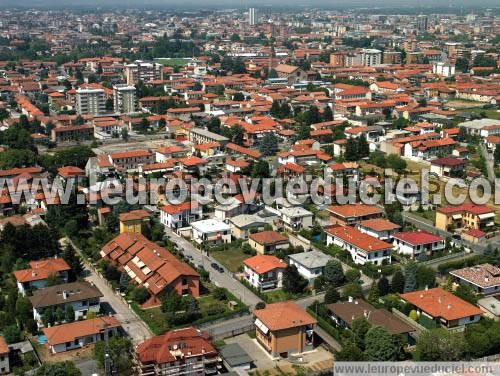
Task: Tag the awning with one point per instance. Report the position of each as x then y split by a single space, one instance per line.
486 216
259 324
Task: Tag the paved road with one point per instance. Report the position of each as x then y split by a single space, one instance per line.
133 325
219 279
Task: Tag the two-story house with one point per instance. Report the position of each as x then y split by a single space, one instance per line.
264 272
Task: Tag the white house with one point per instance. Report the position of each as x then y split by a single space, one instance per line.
362 247
379 228
484 278
37 275
211 231
310 265
415 242
83 297
264 272
82 333
296 218
180 215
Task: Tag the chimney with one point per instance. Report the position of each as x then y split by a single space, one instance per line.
65 295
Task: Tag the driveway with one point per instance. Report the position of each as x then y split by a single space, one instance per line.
219 279
131 323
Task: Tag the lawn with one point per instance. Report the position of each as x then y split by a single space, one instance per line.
209 308
279 296
231 258
429 215
491 113
173 62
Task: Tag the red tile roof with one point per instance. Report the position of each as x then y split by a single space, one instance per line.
264 263
78 329
358 239
379 224
41 269
284 315
441 304
134 215
354 210
268 237
469 208
162 349
173 209
417 237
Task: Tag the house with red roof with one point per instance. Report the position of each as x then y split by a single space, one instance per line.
264 272
268 242
37 275
467 215
351 214
284 329
4 357
448 167
362 247
379 228
78 334
443 307
415 242
151 266
178 352
180 215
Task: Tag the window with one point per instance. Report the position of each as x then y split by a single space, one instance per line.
471 318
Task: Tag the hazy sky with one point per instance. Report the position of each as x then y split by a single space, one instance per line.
395 4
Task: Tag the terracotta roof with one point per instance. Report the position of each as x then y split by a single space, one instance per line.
449 162
440 303
417 237
134 215
264 263
379 224
69 332
41 269
4 349
173 209
469 208
163 349
358 239
130 154
354 210
268 237
284 315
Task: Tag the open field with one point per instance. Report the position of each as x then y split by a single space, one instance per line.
231 258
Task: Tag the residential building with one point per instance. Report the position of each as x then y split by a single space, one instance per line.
134 221
310 265
351 214
379 228
79 334
484 278
90 101
37 275
244 224
449 167
186 351
362 247
211 232
284 329
4 357
82 296
468 216
296 218
344 313
443 307
143 71
264 272
268 242
151 266
202 136
124 99
131 160
180 215
371 56
415 242
252 16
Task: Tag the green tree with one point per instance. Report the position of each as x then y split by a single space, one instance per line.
383 286
333 273
398 282
269 144
69 313
350 353
332 295
12 334
293 282
352 275
12 158
426 276
73 260
59 314
466 293
351 150
360 326
140 294
440 345
353 290
397 163
374 294
363 150
379 345
66 368
410 272
120 353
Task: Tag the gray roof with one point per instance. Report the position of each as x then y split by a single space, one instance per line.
234 355
479 123
205 133
64 293
490 304
247 221
312 259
